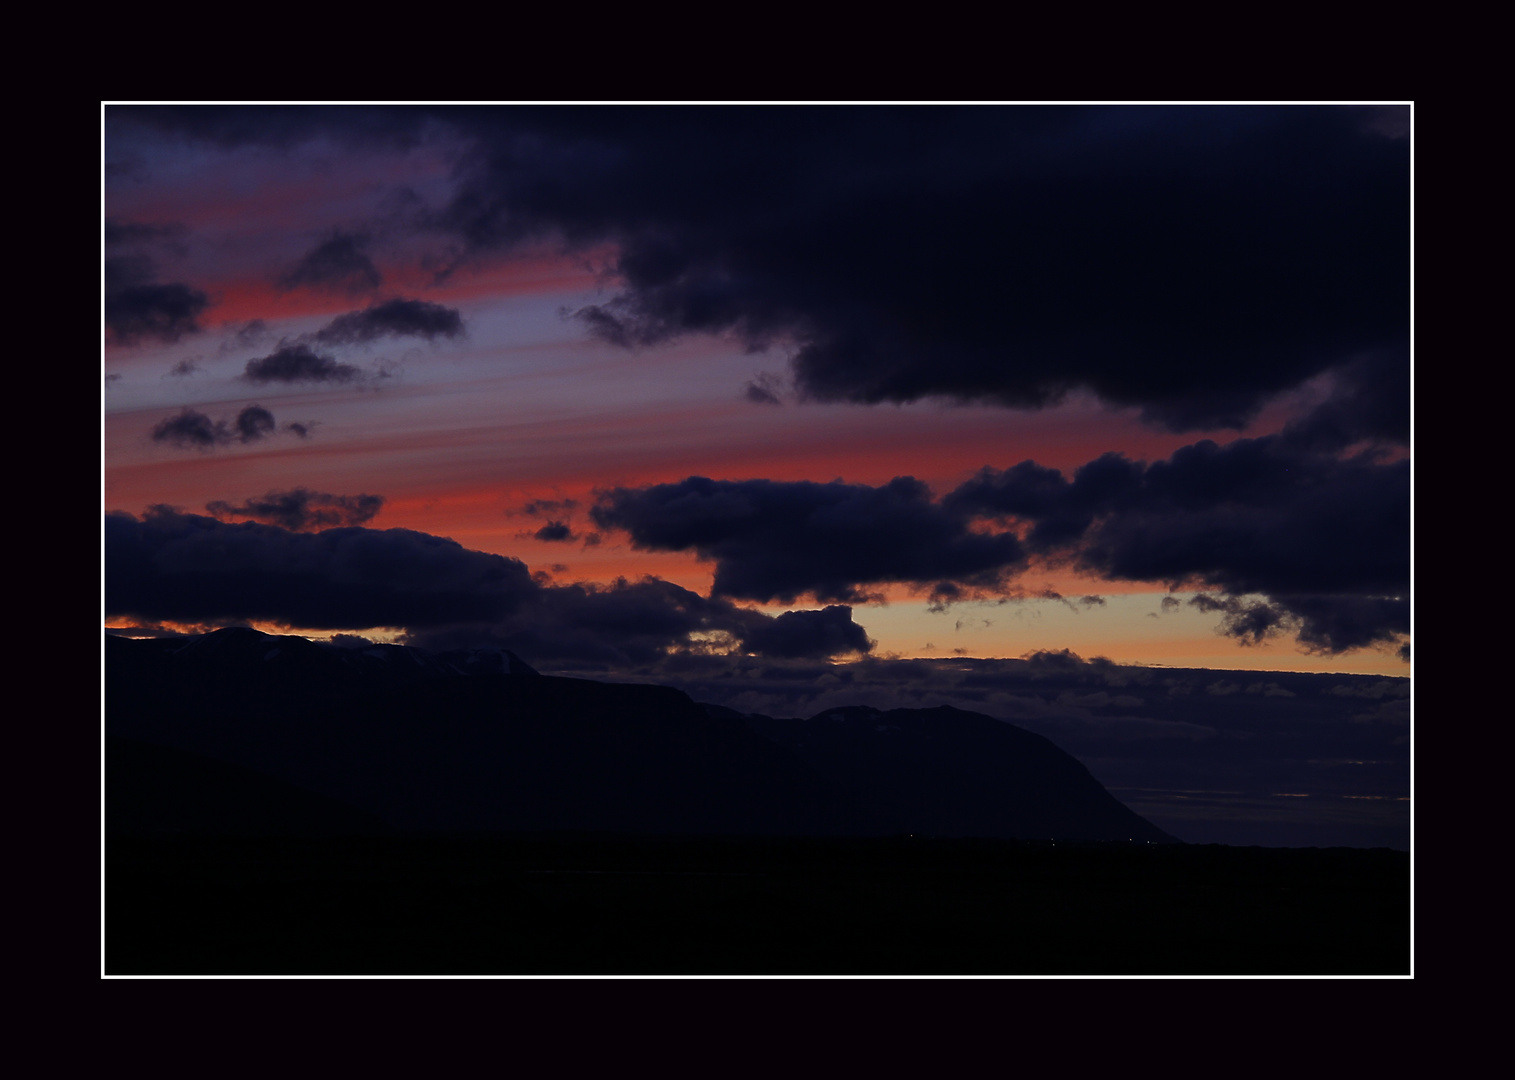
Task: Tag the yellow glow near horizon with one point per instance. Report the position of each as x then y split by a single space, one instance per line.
1130 629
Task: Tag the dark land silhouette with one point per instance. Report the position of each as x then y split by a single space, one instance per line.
276 805
479 742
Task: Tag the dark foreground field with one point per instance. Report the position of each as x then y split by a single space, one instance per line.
595 905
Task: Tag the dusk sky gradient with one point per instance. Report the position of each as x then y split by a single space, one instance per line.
1094 419
1128 381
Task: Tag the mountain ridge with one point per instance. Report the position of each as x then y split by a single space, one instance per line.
479 741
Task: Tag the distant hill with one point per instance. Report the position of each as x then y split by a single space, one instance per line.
949 772
244 732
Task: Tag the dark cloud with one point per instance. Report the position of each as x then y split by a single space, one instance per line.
139 308
557 528
152 631
175 567
253 423
298 363
302 509
351 641
1190 262
184 368
392 318
1060 510
1333 623
1369 402
1291 540
1187 261
1250 622
1044 661
830 632
774 540
192 429
538 507
629 624
602 625
182 567
1326 539
340 262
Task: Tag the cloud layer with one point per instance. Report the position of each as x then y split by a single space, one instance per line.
1325 539
137 308
340 262
173 567
191 429
301 509
392 318
292 363
775 540
1187 261
1176 260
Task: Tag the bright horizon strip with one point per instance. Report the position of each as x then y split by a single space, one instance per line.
1182 638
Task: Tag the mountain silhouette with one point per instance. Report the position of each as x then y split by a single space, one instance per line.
243 732
949 772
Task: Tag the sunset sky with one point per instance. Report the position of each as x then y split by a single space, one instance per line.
639 382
